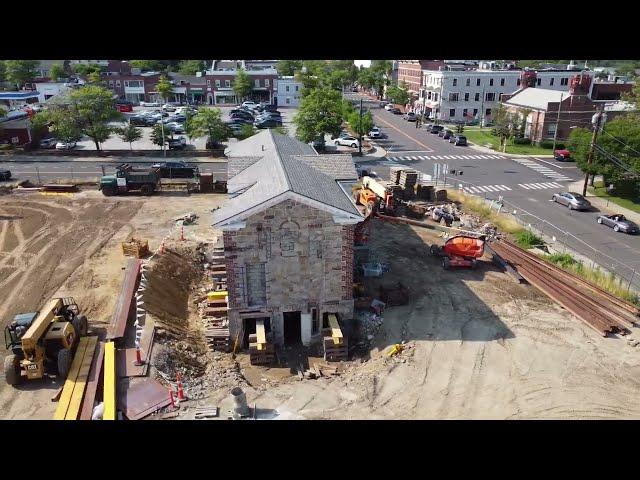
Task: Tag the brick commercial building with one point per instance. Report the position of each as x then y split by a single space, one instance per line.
288 238
548 110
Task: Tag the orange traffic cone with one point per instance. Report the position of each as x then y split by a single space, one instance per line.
181 396
138 361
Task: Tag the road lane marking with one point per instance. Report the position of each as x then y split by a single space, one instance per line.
426 147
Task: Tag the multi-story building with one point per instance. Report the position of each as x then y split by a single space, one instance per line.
220 83
472 95
410 73
288 231
289 92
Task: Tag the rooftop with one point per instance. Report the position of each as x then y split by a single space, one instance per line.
536 98
269 168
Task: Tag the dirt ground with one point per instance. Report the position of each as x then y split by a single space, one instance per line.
70 245
478 345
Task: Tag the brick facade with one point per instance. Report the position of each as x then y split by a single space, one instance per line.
308 263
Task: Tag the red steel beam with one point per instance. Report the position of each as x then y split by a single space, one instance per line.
125 302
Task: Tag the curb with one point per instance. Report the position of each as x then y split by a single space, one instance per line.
13 159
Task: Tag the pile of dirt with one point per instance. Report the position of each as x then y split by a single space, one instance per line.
171 278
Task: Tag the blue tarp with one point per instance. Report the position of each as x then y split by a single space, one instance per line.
18 95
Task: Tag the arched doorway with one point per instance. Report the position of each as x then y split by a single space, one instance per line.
209 98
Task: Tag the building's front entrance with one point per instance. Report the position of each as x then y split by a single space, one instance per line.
292 328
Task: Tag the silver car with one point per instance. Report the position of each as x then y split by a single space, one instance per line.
574 201
619 223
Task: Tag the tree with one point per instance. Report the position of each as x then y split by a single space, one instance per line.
130 133
242 84
84 70
506 125
56 72
320 113
3 71
39 123
164 88
288 67
397 95
209 122
246 131
158 136
21 71
190 67
94 78
190 129
92 109
361 126
62 125
147 65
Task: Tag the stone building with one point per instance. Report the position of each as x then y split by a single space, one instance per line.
288 237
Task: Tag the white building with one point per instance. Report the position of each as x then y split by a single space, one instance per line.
473 95
289 92
46 90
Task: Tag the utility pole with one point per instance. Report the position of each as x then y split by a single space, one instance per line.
555 135
360 130
482 110
596 119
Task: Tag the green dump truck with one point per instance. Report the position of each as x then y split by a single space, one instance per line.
129 179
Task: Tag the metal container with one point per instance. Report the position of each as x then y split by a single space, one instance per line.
240 407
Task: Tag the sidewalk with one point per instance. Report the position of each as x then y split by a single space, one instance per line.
605 205
510 155
110 159
377 154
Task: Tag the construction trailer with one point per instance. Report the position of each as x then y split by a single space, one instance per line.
43 342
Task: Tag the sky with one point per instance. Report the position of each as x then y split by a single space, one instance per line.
366 63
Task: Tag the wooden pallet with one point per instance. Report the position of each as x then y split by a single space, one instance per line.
135 248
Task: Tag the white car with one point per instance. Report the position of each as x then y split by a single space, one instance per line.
175 127
167 107
375 133
348 141
249 104
65 145
149 104
389 106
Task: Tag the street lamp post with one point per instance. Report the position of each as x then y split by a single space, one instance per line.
596 120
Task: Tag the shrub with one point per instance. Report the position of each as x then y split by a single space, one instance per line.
527 239
562 259
560 146
546 144
521 141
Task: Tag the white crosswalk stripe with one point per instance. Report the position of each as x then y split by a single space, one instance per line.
415 158
546 171
487 188
540 186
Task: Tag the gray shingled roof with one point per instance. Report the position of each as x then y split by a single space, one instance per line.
286 165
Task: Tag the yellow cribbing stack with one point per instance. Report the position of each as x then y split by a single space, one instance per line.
109 381
261 334
73 391
336 332
217 295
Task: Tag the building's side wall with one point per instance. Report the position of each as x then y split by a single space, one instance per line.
308 264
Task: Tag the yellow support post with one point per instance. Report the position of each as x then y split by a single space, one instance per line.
336 331
109 381
81 382
261 334
70 382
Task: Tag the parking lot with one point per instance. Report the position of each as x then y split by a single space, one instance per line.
115 143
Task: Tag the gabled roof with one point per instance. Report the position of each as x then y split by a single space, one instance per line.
537 98
269 167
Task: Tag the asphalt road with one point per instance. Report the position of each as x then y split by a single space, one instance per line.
56 170
526 186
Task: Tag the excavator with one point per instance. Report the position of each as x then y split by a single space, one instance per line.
43 342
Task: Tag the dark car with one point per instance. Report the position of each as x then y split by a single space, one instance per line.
179 118
395 111
458 140
241 115
241 120
446 134
269 115
270 108
269 123
177 169
48 143
410 117
436 129
574 201
177 144
619 223
5 175
141 120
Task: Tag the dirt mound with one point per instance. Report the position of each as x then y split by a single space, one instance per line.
171 277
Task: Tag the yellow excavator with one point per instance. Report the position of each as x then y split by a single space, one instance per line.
43 342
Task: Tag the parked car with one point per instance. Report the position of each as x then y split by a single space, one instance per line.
388 106
396 111
619 223
150 104
48 143
562 156
242 120
375 133
175 127
348 141
270 108
185 110
383 104
167 107
446 135
436 128
179 143
410 117
269 115
268 123
319 144
574 201
180 118
249 104
177 169
5 175
241 115
458 140
65 145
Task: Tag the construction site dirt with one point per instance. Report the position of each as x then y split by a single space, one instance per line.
477 344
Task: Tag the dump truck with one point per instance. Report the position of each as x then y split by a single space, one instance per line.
130 179
43 342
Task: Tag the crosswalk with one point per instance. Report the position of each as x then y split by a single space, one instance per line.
505 188
415 158
546 171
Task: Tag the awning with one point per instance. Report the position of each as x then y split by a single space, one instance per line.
196 93
18 95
